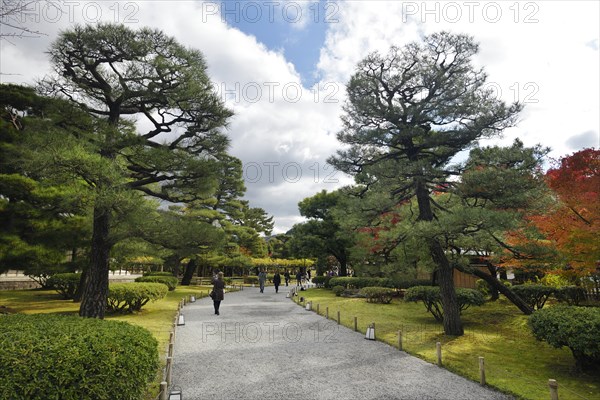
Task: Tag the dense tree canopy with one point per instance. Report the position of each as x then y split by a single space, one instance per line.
114 74
41 218
408 114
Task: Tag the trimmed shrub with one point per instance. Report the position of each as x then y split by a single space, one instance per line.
376 294
66 284
577 328
338 290
431 298
572 295
129 297
159 273
47 356
251 280
534 295
483 287
352 282
170 281
362 282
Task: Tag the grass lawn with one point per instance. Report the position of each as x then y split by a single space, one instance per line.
157 316
515 362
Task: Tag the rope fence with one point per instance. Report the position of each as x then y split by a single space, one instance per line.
484 371
166 385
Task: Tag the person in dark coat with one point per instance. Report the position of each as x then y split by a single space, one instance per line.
218 291
276 281
286 275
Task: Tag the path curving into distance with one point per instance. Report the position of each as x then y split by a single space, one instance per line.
264 346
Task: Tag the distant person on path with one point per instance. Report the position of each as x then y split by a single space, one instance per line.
299 279
308 275
262 278
218 291
286 275
276 281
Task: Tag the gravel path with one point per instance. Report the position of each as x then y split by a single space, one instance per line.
264 346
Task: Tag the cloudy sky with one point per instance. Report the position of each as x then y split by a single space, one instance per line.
282 67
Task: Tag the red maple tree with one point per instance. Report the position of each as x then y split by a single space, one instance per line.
573 225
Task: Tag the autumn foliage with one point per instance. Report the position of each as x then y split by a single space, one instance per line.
573 225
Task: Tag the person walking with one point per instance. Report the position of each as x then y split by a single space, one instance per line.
286 275
218 292
262 278
299 278
276 281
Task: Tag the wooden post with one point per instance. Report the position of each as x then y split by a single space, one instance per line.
170 352
374 331
169 365
317 308
172 337
355 324
338 317
438 347
553 385
400 340
481 371
163 391
327 312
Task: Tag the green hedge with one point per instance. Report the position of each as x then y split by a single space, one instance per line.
251 280
66 284
377 294
159 273
577 328
129 297
170 281
350 282
534 295
572 295
47 356
431 298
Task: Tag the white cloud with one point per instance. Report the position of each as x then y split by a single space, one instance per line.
543 54
281 126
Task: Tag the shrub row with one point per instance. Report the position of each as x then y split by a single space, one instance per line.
129 297
577 328
170 281
46 356
362 282
66 284
537 295
431 298
158 273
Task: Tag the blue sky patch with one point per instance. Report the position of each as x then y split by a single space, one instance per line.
296 29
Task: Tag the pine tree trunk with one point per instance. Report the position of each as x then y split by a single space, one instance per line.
494 293
343 267
452 322
79 291
95 290
189 273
